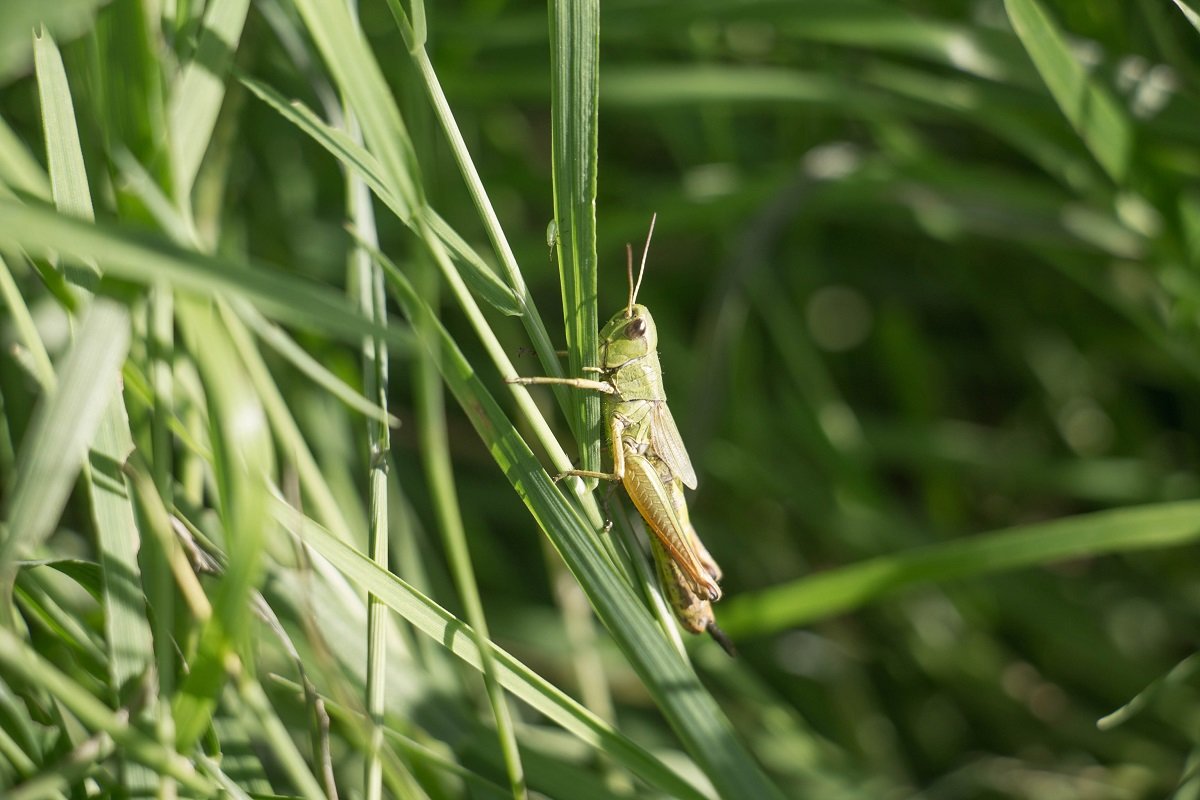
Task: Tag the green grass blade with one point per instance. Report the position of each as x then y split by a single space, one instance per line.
478 275
366 278
138 256
1089 107
838 591
1189 12
243 463
53 450
18 168
199 89
442 627
575 86
287 348
19 661
129 644
68 175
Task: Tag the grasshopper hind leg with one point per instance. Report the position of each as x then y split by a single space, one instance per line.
721 638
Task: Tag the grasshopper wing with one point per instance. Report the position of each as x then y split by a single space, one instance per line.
646 489
668 445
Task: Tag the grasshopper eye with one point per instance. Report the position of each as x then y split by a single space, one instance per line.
636 329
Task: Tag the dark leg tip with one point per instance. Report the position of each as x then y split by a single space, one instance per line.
719 636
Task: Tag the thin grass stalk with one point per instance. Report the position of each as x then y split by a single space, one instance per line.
256 709
368 282
435 453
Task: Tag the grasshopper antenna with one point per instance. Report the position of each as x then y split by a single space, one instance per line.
642 270
629 269
722 639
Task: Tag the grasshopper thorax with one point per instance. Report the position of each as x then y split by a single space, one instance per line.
629 335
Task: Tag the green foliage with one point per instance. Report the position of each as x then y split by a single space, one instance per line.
925 285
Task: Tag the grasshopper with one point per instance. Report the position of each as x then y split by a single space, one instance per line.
648 455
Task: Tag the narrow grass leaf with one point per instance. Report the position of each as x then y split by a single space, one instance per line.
354 157
1088 106
68 175
1189 12
199 89
841 590
287 348
18 168
575 87
127 632
139 256
54 448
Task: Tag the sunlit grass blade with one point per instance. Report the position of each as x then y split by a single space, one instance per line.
130 649
847 588
199 89
1189 12
575 86
244 462
1091 109
18 168
138 256
53 450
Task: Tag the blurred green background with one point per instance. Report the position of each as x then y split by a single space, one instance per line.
923 271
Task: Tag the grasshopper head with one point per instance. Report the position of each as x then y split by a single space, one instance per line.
628 335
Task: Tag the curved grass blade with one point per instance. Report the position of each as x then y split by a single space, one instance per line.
838 591
1088 106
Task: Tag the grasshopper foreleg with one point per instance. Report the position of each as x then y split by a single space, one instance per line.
578 383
